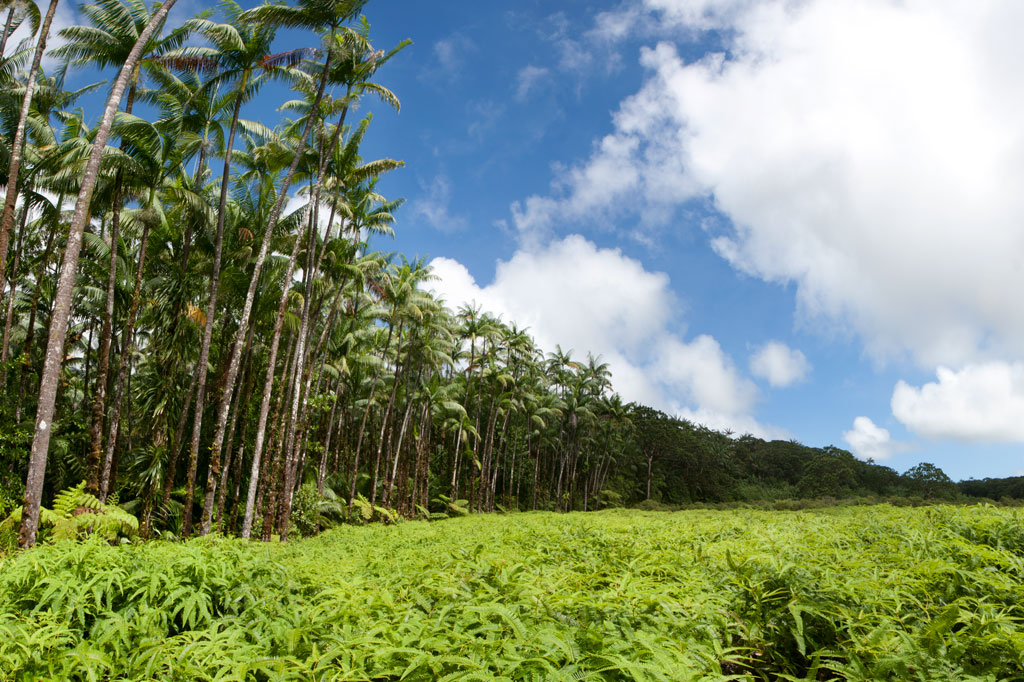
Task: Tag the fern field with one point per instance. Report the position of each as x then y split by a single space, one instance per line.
844 594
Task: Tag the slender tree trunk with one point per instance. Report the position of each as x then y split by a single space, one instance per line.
389 496
276 478
497 460
218 438
268 389
290 458
204 352
7 32
265 480
9 319
99 401
126 363
536 476
17 148
322 470
366 414
30 335
384 425
244 387
179 434
62 303
465 405
650 465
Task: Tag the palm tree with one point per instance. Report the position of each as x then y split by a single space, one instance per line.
147 143
115 27
318 15
240 54
17 148
18 11
62 302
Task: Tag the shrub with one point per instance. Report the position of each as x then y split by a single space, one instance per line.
306 510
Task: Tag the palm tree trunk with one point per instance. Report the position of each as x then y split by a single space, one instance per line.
9 319
30 335
265 474
7 31
362 424
275 214
204 351
126 363
65 286
268 389
17 148
276 479
244 387
322 470
384 422
99 401
290 458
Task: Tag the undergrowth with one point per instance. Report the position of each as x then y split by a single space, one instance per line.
860 593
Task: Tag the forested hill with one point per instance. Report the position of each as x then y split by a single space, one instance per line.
677 462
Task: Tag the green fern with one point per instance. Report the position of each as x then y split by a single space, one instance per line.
77 513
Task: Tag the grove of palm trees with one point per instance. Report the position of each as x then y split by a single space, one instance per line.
202 321
179 336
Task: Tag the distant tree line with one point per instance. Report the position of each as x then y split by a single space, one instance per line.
677 462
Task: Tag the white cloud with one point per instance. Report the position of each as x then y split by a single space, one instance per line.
705 373
450 55
486 114
981 402
779 365
587 299
615 25
435 207
883 182
573 56
868 441
528 79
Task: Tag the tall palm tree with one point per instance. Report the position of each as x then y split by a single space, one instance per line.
240 55
147 144
17 148
62 303
319 15
115 26
18 11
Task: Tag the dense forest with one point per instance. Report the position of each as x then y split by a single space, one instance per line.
180 343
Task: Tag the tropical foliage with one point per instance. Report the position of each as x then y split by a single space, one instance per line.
212 352
864 593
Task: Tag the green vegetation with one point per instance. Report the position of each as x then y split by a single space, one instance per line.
211 355
864 593
213 366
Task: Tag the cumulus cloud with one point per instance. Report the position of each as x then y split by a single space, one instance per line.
882 182
869 441
779 365
587 299
981 402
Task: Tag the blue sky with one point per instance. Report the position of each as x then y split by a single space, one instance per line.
796 218
824 236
